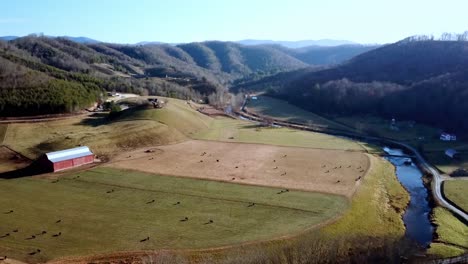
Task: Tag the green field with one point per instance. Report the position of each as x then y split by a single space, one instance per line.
282 110
452 235
232 130
457 192
372 227
94 221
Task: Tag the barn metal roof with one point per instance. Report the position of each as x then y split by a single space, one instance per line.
68 154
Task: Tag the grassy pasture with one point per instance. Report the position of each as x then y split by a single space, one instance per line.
452 235
370 231
282 110
232 130
457 192
94 221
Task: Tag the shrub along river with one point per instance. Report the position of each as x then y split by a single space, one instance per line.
416 217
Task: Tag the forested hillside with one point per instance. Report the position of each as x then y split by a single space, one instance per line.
422 80
42 75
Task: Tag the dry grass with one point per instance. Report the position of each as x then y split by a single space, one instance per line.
329 171
10 160
3 130
133 129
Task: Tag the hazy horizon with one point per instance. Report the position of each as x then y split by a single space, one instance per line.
182 21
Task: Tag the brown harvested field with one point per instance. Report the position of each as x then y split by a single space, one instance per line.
329 171
10 160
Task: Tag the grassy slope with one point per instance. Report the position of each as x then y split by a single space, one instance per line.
383 193
3 130
133 129
224 129
282 110
94 221
452 235
456 191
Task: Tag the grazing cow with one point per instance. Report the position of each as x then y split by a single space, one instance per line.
274 160
5 235
338 181
217 160
58 221
251 204
184 220
35 252
233 178
31 237
152 201
9 212
284 156
275 168
15 231
358 178
177 203
201 161
349 166
57 235
55 181
145 239
327 171
3 258
237 167
111 191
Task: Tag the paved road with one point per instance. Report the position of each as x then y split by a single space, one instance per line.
437 183
438 179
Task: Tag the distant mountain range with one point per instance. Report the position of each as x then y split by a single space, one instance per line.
247 42
74 39
298 44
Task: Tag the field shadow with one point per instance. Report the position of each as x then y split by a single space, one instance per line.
104 118
32 169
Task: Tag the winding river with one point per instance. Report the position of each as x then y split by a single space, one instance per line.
416 217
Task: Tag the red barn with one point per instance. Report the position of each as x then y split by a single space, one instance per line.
66 159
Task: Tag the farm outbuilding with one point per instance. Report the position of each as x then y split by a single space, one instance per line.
66 159
452 153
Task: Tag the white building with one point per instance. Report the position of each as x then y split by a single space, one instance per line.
448 137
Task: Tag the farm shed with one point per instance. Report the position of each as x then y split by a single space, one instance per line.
66 159
452 153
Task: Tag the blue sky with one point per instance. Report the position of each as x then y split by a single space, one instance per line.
365 21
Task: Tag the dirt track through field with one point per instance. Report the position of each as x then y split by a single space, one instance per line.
329 171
